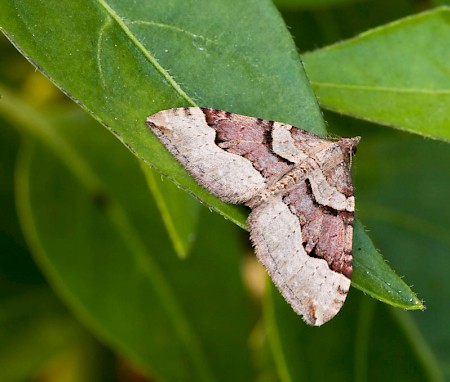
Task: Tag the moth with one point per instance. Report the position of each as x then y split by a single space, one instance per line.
298 186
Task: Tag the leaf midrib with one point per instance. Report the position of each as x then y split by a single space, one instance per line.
171 81
384 89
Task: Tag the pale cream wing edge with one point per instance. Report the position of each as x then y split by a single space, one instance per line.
188 137
313 290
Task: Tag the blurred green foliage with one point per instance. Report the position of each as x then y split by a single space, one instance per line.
154 293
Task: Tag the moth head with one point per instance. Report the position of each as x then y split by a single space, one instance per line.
348 146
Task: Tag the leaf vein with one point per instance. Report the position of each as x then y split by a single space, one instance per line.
171 81
381 88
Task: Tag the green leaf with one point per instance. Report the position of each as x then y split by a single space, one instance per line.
134 66
373 275
408 217
395 75
152 56
179 211
107 254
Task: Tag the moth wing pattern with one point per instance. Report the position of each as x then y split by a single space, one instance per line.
303 235
306 282
188 137
298 186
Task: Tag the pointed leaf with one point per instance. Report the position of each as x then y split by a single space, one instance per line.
396 75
